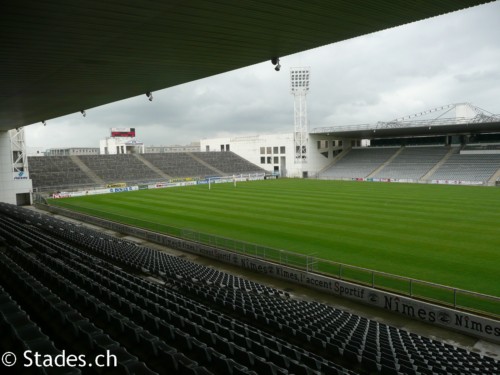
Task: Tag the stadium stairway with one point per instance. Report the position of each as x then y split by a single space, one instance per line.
387 162
494 178
152 167
216 171
429 174
97 180
193 319
335 160
360 162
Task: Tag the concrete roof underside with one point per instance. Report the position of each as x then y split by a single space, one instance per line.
60 57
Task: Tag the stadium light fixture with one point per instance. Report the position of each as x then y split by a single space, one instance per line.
150 96
276 61
83 113
44 123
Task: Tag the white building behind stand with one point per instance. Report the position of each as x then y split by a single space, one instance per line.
121 141
276 152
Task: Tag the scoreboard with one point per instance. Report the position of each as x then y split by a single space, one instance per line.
123 132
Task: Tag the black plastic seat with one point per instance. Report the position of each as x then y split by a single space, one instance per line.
200 352
298 368
206 336
222 345
243 356
264 367
369 362
278 359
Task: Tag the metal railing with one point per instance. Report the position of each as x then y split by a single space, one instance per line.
423 290
456 298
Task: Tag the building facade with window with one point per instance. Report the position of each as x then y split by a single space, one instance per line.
276 152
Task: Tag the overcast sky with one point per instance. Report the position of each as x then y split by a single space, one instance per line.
453 58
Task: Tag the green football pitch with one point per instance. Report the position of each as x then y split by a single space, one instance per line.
443 234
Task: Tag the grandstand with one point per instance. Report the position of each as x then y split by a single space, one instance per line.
65 288
228 162
468 167
460 143
412 163
57 172
68 287
359 162
474 163
81 172
180 165
118 168
417 164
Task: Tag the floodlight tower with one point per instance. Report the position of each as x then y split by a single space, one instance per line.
299 86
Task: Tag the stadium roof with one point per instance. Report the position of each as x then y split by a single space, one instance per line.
410 129
60 57
450 119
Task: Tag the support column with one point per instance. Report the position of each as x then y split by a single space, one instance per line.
15 184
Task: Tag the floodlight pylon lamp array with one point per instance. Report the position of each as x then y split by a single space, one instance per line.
149 95
299 86
299 80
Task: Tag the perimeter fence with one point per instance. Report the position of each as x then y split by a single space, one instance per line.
423 290
456 298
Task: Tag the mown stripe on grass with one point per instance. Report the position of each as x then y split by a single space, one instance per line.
444 234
